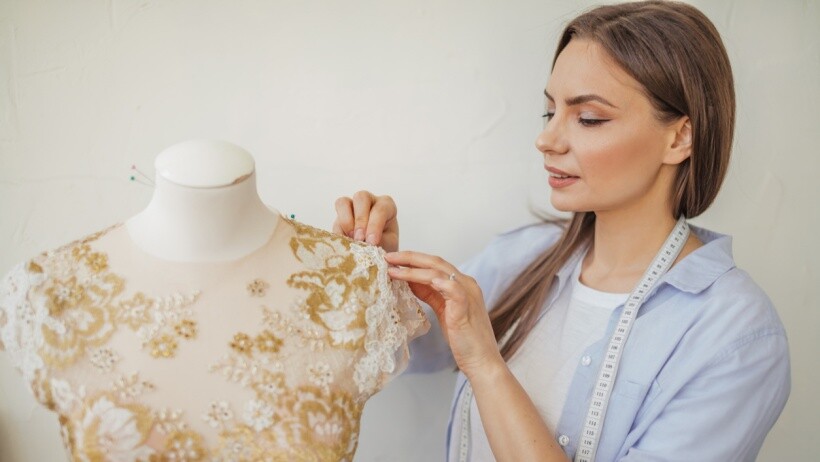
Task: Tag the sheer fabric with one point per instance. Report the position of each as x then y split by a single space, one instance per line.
269 357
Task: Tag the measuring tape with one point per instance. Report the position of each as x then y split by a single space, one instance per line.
606 377
464 446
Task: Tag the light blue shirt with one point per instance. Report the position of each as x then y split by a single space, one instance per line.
703 377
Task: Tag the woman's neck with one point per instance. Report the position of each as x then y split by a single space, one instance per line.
624 244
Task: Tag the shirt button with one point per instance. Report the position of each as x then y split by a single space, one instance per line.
586 360
563 440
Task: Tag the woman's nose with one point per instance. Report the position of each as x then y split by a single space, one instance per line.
551 139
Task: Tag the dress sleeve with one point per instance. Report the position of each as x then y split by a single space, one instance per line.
725 412
19 319
13 289
392 321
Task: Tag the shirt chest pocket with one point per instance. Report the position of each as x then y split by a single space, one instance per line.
629 399
635 394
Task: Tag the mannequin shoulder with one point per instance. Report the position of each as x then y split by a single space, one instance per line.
321 249
61 259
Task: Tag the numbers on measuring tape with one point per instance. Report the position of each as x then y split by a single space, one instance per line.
464 447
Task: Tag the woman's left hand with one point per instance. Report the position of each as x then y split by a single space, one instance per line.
459 306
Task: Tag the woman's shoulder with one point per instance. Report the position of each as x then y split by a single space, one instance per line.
722 299
729 290
510 251
528 238
736 297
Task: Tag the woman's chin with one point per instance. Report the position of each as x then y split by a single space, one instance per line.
563 206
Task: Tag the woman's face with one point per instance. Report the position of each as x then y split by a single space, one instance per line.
602 134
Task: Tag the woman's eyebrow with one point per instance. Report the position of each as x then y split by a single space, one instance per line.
582 99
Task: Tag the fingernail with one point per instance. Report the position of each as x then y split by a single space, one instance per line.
359 234
371 239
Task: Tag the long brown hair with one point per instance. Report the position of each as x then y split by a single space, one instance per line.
676 54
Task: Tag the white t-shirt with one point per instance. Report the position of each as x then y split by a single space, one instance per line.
546 361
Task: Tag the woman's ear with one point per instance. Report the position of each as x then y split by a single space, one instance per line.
681 147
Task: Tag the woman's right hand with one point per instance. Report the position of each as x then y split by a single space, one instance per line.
368 217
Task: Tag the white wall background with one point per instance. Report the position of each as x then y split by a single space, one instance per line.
436 102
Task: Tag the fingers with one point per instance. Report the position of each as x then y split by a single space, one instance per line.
336 227
418 275
429 295
382 220
344 217
421 260
420 268
451 290
432 286
367 217
362 203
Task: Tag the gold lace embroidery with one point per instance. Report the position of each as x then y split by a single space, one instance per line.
113 425
183 446
315 420
242 343
103 359
306 415
80 300
336 293
84 302
160 322
258 287
130 386
107 429
301 332
264 342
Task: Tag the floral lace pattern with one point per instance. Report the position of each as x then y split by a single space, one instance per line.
305 366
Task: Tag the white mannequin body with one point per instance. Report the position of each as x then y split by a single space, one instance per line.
205 205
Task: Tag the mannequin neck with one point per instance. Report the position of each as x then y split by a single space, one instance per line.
183 223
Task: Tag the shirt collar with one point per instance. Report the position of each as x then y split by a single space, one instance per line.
701 268
693 273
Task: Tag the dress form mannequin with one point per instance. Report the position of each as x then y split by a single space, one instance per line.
208 326
205 206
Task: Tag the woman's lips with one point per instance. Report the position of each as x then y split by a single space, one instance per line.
559 178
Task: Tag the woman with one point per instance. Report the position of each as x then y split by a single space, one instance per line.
640 111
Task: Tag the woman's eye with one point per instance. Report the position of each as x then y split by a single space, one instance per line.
548 115
591 122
